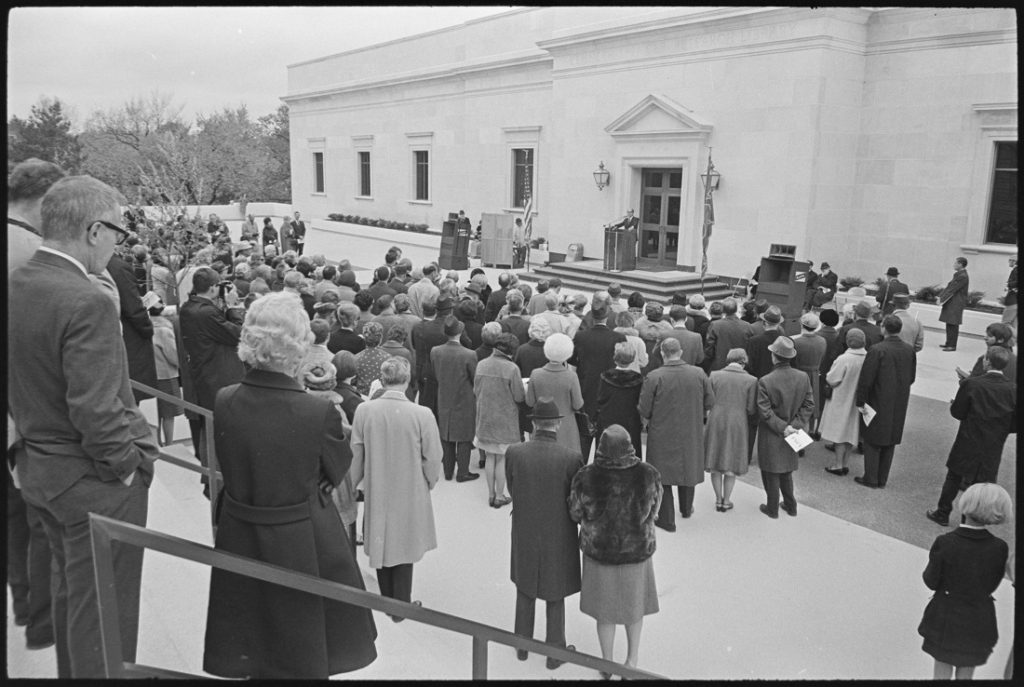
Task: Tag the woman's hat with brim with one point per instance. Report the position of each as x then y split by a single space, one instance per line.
545 409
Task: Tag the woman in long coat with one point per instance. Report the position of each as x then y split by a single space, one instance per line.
281 451
558 381
726 433
674 400
840 421
498 389
618 395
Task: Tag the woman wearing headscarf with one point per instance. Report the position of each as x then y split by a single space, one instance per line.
281 452
616 500
840 421
558 381
498 388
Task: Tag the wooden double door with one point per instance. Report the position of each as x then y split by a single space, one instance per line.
660 203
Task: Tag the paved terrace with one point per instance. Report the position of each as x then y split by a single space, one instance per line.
835 593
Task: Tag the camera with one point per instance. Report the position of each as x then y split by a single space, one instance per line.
223 287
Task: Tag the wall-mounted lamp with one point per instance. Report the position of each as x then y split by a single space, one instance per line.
601 176
711 178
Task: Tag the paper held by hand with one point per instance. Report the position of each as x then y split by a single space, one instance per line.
799 440
867 412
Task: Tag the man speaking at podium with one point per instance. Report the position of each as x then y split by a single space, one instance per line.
629 226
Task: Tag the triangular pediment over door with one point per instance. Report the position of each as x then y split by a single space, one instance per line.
657 116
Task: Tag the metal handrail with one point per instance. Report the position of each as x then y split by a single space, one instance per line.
212 468
105 531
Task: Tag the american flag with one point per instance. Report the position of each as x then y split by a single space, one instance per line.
528 213
709 217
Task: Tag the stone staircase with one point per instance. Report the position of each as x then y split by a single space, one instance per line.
589 276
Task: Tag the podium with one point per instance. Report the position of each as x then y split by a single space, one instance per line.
496 230
454 253
619 250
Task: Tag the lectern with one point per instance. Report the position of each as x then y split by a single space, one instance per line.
454 246
619 250
496 238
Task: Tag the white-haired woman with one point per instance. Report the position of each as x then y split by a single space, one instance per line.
558 381
965 567
281 452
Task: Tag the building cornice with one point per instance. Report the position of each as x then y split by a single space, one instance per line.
952 40
450 71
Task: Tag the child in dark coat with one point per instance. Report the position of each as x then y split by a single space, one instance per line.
964 568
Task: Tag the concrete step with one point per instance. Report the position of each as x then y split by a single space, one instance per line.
590 275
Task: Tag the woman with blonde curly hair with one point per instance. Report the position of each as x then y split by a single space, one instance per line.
282 452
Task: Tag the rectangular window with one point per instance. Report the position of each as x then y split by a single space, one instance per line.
364 173
421 159
522 176
318 170
1002 209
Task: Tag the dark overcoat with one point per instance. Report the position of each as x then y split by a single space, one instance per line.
953 298
454 367
784 397
617 399
965 568
810 349
889 370
211 346
873 334
759 358
986 407
675 399
592 354
275 444
724 335
136 327
545 560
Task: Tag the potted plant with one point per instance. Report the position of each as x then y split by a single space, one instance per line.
928 294
847 283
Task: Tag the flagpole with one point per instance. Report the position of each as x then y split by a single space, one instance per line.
705 234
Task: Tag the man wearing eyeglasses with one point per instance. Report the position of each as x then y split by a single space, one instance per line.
85 446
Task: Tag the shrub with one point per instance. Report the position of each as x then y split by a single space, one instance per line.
849 282
974 298
928 294
880 283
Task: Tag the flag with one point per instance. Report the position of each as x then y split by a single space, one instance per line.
528 214
709 217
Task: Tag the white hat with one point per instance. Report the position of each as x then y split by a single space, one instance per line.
558 348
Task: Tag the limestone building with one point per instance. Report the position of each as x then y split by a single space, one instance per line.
866 137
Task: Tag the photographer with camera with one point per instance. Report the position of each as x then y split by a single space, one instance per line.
211 323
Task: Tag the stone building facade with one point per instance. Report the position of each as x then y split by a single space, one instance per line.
866 137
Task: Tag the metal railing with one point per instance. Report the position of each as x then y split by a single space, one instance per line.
105 531
212 468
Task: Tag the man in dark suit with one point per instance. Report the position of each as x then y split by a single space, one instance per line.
84 446
986 407
759 356
889 369
454 367
892 287
872 332
545 551
298 233
593 353
628 223
825 286
425 335
690 342
497 298
210 330
724 335
136 327
953 300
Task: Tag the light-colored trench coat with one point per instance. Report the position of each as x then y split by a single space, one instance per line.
396 453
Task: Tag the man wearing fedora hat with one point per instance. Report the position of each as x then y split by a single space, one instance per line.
825 286
545 551
892 287
454 367
784 405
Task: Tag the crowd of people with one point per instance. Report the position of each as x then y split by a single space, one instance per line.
327 393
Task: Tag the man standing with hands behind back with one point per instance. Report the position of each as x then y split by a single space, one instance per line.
953 300
298 233
86 447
